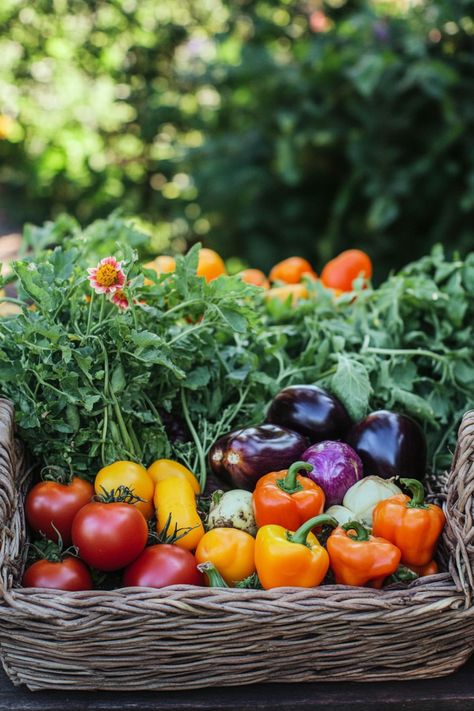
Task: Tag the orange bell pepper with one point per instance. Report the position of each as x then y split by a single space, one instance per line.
413 526
291 559
286 498
230 550
358 558
422 571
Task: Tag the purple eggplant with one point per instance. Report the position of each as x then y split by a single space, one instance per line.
175 427
311 411
389 445
216 457
243 456
336 467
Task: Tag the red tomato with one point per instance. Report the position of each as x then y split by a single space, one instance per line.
50 502
109 536
162 565
340 272
68 574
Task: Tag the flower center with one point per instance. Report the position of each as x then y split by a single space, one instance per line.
106 275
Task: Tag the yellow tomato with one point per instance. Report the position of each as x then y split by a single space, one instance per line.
131 475
164 468
282 293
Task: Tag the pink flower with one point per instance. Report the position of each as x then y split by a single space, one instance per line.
120 300
107 277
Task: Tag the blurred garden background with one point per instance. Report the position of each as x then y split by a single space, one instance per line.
262 128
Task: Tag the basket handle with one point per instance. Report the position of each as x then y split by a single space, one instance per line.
459 509
12 526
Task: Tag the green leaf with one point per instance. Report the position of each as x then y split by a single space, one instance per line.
352 386
234 318
117 381
197 378
32 282
417 406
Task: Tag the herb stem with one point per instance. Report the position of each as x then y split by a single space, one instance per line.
104 435
127 440
11 300
406 352
187 332
182 305
89 315
101 312
199 448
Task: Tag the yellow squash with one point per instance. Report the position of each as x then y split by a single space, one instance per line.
175 505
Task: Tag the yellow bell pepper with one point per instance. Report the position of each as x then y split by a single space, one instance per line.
291 559
164 468
175 505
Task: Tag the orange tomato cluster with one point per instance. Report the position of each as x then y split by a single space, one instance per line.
287 279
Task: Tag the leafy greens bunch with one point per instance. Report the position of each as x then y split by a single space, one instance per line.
92 384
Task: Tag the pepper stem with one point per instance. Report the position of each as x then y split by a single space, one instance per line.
214 578
301 534
417 492
362 533
290 483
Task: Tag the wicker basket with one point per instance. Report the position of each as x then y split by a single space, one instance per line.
187 637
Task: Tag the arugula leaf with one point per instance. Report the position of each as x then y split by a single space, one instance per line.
352 386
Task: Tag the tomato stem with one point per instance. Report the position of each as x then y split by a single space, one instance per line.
122 494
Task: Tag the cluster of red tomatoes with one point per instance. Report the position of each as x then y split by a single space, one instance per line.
108 524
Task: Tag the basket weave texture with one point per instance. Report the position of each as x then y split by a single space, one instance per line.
189 637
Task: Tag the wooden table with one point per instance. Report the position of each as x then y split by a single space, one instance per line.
453 693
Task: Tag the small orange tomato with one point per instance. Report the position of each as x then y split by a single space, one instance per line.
131 475
165 468
292 270
161 265
282 293
255 277
210 265
340 272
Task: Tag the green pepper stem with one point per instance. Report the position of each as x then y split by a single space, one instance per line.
214 578
301 534
290 483
417 492
362 533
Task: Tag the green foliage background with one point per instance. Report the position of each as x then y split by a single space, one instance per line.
242 124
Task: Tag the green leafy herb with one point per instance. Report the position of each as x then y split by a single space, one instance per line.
189 361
